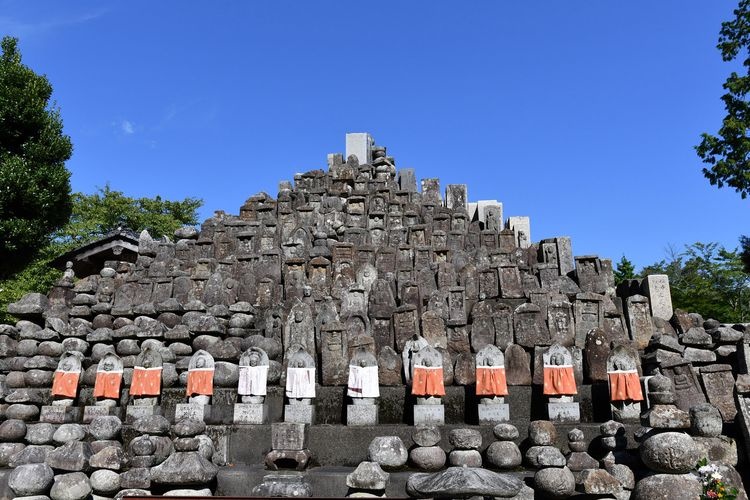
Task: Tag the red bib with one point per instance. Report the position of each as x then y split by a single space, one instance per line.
625 386
427 381
491 381
146 382
559 381
107 385
200 382
65 384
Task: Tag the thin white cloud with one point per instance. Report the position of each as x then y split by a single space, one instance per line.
127 127
25 29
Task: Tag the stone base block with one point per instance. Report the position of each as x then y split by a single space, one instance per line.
300 457
299 414
429 415
192 411
60 414
361 414
493 414
626 411
134 412
564 412
246 413
90 412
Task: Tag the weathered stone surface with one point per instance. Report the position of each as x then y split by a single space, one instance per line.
426 435
32 454
153 425
429 458
12 430
465 458
465 439
73 486
669 452
184 468
664 486
544 456
368 476
462 482
505 432
67 433
720 449
555 482
542 433
105 481
581 460
666 417
30 305
599 482
73 457
188 428
110 457
388 451
32 479
504 454
705 420
105 427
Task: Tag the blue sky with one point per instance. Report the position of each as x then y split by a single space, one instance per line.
581 115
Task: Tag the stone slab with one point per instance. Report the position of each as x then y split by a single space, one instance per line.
90 412
245 413
564 412
60 414
134 412
361 414
191 411
493 413
429 414
299 414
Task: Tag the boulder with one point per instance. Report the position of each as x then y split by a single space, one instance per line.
368 476
465 439
665 486
388 451
429 458
73 486
184 468
31 479
105 427
463 482
555 482
669 452
504 454
542 433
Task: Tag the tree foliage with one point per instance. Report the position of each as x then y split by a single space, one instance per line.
708 279
34 183
624 270
728 153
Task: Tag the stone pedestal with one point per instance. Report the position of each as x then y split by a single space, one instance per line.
493 413
192 411
288 442
54 414
90 412
624 411
247 413
299 414
563 409
134 412
429 414
361 415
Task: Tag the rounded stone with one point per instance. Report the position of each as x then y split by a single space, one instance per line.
705 420
664 486
40 433
429 458
13 430
31 479
128 347
575 435
542 433
555 482
27 347
465 439
73 486
38 378
205 446
22 412
505 432
545 456
388 451
105 481
141 446
105 427
50 348
426 435
68 433
465 458
186 444
504 454
226 374
189 427
669 452
153 424
580 446
612 427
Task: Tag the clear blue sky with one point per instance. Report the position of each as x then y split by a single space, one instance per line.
582 115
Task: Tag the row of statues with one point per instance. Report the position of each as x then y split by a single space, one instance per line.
423 371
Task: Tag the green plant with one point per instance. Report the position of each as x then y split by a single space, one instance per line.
713 483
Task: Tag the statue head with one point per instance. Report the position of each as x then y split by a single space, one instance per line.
108 365
254 359
200 362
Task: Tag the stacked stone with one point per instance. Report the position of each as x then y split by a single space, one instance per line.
504 453
590 479
388 451
189 465
427 455
107 457
617 461
70 461
150 446
466 444
367 480
552 478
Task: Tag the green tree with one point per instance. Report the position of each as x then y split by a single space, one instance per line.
728 153
93 216
745 255
708 279
34 183
624 270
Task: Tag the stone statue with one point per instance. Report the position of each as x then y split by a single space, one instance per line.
145 387
427 376
253 376
300 376
559 379
363 386
200 380
65 381
69 274
108 380
624 383
412 346
490 372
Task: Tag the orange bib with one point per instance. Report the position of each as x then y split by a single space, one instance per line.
200 382
427 381
625 386
491 381
108 385
146 382
65 384
559 381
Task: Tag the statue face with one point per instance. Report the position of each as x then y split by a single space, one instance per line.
254 359
298 316
108 366
67 365
200 362
147 362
